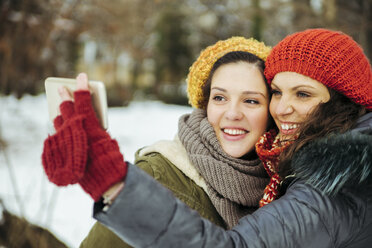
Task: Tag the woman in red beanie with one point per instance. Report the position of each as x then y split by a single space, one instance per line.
320 162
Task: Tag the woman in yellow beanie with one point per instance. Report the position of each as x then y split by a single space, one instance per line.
319 193
211 165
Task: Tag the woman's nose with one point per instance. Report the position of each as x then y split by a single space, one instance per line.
233 112
283 107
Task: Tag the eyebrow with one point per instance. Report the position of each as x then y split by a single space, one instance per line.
295 88
247 92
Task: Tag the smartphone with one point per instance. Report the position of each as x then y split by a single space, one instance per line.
97 90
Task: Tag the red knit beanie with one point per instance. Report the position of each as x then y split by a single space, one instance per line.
330 57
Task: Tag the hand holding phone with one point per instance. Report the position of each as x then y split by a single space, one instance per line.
81 151
98 93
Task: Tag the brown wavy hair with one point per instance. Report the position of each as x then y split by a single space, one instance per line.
338 115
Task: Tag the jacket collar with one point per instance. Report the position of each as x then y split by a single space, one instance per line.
343 160
364 124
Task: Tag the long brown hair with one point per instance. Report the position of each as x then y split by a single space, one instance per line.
337 115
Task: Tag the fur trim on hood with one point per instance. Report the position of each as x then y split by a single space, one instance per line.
332 163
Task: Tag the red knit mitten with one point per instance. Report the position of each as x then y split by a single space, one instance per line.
65 153
106 165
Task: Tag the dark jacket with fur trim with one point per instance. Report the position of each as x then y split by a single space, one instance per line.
329 204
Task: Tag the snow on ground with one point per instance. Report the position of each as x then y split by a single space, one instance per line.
24 188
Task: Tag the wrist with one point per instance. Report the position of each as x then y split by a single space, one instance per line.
110 195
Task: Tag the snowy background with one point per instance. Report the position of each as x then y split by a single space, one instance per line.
24 188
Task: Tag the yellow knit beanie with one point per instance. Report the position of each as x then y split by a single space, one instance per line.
200 69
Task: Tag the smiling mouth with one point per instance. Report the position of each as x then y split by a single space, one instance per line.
231 131
287 127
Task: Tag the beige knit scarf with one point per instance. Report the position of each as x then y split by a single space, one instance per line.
234 185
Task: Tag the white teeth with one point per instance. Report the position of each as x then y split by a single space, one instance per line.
289 126
234 131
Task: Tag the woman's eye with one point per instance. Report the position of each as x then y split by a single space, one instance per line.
275 92
218 98
251 101
302 94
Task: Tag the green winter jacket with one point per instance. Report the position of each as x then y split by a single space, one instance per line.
186 185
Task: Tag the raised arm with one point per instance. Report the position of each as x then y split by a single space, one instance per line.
145 214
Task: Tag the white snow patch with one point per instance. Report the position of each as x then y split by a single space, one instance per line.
24 188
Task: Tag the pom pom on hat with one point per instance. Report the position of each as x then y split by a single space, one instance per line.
330 57
199 71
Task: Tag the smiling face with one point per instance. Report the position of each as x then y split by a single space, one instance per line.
294 96
238 107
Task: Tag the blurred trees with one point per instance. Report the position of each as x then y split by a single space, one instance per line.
121 33
172 54
143 48
352 17
35 40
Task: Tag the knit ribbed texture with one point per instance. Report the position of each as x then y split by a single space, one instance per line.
106 167
330 57
234 185
269 148
201 68
81 138
64 155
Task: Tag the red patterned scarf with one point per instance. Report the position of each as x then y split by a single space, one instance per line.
268 148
